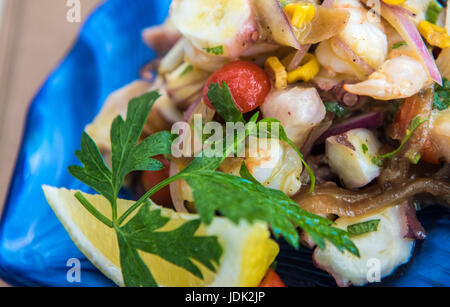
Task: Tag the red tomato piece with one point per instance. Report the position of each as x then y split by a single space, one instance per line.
272 280
249 84
410 109
150 179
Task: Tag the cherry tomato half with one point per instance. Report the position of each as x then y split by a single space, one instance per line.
272 280
248 83
150 179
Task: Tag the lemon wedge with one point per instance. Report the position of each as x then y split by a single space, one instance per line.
248 250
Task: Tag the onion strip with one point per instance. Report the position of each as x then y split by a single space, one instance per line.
408 30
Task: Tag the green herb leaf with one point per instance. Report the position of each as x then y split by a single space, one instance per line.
126 155
245 174
335 108
203 162
398 45
179 246
188 69
433 11
94 172
223 103
265 128
244 199
362 228
125 135
442 96
364 148
415 123
157 144
218 50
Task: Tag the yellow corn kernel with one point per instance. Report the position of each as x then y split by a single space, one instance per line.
274 66
435 35
394 2
308 70
300 14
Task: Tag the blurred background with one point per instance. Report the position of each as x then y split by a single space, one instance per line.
34 37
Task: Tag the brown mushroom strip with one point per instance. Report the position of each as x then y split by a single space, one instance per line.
345 203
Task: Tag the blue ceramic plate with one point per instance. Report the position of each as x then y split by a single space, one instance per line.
34 247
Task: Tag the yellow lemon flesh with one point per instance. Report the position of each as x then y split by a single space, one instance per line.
248 250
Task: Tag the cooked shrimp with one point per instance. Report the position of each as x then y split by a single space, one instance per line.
364 36
401 76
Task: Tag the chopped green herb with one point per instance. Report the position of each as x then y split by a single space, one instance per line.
433 11
188 69
223 103
415 123
215 50
364 147
416 158
336 108
398 45
442 96
363 228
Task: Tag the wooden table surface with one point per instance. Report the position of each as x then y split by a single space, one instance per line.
34 37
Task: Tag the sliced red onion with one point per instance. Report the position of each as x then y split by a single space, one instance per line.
298 57
315 134
408 30
190 111
199 107
368 121
275 23
175 187
328 3
303 50
161 38
148 72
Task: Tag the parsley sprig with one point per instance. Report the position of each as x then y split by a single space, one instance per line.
413 126
214 192
140 232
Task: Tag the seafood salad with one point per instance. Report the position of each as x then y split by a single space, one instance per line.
322 123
